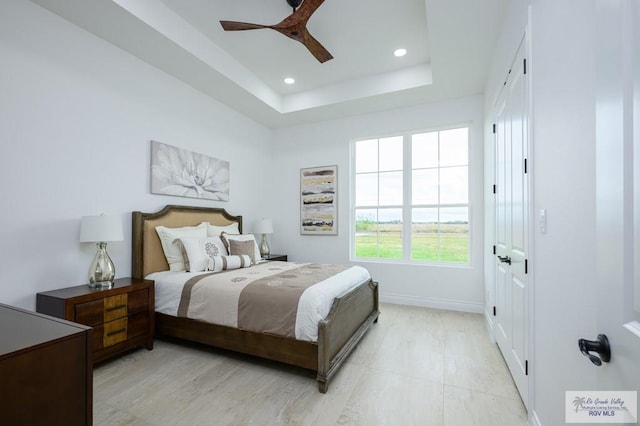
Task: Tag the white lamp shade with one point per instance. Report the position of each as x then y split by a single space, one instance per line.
263 226
101 228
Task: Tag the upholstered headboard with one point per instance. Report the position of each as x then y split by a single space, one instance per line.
147 254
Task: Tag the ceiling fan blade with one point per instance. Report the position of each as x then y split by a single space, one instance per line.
301 34
293 26
316 49
240 26
302 14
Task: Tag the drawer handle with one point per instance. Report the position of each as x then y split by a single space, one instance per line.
115 308
122 330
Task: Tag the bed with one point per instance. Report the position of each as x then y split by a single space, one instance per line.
349 316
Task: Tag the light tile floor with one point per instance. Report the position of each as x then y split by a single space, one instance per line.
416 366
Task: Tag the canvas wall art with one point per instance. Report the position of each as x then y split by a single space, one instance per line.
183 173
319 200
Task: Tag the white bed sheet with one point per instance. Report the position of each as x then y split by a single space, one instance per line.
313 306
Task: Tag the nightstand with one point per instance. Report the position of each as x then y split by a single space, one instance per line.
280 257
122 317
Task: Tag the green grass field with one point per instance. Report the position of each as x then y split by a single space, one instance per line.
450 245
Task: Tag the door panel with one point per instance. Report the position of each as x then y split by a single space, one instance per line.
511 210
518 183
518 137
500 179
519 323
501 307
617 103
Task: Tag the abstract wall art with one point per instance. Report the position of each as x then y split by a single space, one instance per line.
319 200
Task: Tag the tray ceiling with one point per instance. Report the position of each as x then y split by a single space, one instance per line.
449 48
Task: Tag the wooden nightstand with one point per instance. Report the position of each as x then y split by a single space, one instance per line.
122 317
280 257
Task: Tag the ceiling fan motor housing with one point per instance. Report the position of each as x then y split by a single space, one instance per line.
294 3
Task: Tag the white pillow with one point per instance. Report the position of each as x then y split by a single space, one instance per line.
215 230
173 252
198 252
244 237
221 263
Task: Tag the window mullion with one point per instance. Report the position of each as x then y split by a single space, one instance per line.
378 204
407 197
439 246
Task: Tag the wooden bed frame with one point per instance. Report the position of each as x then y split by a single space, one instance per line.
348 320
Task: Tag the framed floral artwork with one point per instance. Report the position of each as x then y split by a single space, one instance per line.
183 173
319 200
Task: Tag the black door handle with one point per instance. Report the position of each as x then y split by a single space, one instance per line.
505 259
600 346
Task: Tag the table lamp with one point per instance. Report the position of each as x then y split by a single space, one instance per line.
264 227
100 230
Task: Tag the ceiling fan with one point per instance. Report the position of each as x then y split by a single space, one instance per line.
294 26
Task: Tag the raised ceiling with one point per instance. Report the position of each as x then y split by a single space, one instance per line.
449 43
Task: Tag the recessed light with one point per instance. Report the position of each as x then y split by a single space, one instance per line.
400 52
289 80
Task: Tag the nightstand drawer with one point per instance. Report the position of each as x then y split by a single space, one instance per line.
96 312
89 313
106 335
138 324
114 332
115 307
138 301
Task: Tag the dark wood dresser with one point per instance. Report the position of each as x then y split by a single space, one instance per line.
46 373
122 317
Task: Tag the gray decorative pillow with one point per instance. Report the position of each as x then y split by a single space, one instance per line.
243 248
226 238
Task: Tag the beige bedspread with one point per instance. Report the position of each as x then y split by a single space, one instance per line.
264 298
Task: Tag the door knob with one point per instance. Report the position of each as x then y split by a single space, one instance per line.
505 259
600 346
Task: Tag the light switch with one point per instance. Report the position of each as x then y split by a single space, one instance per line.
542 221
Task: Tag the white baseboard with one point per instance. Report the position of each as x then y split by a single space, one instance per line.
451 305
533 419
488 317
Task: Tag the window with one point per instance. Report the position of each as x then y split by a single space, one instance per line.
421 179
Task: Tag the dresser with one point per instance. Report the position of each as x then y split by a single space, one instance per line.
46 373
122 317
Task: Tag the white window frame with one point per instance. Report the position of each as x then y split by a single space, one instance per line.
407 205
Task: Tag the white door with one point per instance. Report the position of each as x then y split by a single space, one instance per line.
618 192
511 209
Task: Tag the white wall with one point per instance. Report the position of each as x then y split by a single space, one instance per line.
562 65
76 118
328 143
564 184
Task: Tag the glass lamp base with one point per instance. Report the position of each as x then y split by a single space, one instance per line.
102 272
101 285
264 246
